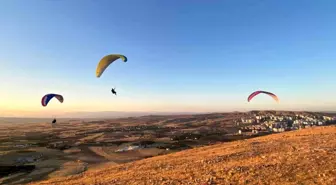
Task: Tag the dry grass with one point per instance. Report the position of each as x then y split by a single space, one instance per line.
298 157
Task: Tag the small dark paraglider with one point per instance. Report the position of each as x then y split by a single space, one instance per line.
113 91
48 97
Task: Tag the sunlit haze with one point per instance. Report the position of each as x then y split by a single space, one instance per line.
183 56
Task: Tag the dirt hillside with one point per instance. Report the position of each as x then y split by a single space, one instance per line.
298 157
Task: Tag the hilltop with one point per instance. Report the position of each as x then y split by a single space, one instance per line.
306 156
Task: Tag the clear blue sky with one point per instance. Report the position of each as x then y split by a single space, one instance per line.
189 55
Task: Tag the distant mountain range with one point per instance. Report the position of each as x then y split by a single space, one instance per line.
332 112
86 116
117 114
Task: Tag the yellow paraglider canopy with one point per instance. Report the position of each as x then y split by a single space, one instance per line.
106 61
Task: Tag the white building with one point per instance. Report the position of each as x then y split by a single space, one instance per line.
327 118
278 129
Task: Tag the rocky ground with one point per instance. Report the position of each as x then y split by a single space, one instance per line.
305 156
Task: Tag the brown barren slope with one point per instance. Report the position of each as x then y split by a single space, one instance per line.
299 157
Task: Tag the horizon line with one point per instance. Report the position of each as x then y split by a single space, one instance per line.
150 113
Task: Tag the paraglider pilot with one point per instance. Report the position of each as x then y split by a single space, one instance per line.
113 91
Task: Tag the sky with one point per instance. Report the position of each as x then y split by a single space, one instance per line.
190 56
